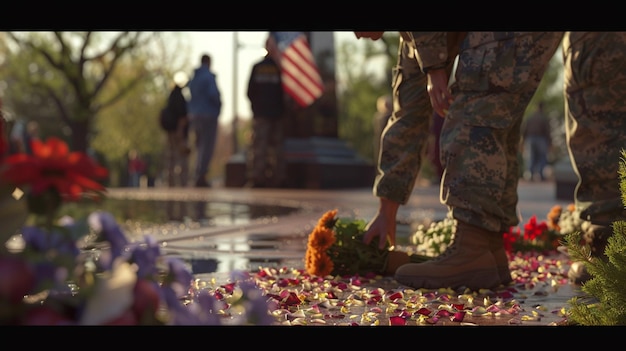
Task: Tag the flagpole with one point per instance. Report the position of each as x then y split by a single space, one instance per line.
235 69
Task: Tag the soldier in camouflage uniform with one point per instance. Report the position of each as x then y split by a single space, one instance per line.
497 75
404 139
595 120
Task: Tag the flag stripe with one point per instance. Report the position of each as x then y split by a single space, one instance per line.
303 71
299 69
300 76
304 98
306 82
303 80
305 60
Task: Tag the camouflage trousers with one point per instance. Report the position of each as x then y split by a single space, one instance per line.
266 163
404 138
496 76
595 120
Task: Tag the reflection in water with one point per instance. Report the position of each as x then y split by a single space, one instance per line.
241 252
205 213
223 263
177 210
202 265
224 255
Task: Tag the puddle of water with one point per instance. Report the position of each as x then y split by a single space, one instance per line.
201 254
241 252
204 213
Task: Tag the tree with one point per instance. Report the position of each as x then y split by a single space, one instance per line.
357 98
67 72
121 98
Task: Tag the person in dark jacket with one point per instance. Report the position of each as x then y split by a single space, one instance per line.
178 151
265 158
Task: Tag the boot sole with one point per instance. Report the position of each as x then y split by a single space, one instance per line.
474 280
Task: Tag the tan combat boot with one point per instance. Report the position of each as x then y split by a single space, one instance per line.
496 245
467 262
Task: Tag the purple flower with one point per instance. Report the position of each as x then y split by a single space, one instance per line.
145 255
179 273
52 254
207 308
42 241
104 224
256 304
200 312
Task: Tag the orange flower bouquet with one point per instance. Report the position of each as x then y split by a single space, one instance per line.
335 247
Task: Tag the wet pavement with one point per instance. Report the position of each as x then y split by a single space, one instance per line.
242 240
274 223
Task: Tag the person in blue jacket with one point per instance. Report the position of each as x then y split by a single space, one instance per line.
204 108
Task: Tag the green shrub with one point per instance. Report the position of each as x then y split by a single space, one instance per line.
604 299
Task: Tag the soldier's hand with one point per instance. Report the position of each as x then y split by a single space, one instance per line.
440 96
383 225
370 35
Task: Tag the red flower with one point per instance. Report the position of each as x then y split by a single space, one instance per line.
532 230
52 165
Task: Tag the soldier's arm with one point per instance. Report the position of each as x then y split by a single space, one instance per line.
433 58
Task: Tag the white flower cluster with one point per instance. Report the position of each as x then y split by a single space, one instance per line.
433 239
570 222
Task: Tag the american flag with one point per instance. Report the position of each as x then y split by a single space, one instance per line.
300 76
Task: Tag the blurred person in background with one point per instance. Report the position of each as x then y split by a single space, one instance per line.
266 165
204 108
177 153
537 139
136 168
22 134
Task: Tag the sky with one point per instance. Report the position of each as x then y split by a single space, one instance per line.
220 45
